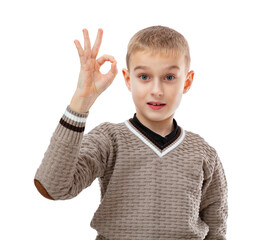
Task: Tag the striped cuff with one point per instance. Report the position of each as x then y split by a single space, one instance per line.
71 125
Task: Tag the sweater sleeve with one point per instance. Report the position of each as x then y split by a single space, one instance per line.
214 205
72 160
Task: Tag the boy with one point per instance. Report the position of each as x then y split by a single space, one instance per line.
157 180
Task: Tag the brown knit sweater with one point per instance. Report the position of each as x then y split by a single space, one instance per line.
148 191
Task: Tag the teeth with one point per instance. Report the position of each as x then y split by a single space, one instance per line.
155 104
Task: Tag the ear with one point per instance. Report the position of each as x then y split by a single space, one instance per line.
127 78
189 81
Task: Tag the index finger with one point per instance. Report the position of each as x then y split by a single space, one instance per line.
97 44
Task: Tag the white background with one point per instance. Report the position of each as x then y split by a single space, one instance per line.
228 103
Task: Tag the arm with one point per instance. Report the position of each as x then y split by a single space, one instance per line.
214 205
72 161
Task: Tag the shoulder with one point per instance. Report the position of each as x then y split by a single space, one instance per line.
108 129
199 141
208 152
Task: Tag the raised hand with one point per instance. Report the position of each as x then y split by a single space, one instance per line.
91 81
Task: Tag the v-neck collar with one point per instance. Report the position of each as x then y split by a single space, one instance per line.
159 140
160 145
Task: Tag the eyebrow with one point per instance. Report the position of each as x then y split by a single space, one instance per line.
145 67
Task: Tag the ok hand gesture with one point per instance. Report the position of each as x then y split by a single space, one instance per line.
91 81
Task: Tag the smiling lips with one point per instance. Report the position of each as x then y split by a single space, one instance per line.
156 107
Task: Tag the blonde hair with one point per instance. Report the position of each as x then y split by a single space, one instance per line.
159 39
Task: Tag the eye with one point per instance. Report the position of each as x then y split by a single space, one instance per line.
143 76
170 79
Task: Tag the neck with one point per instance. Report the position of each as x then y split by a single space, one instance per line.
163 128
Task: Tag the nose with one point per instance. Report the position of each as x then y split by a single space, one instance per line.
156 89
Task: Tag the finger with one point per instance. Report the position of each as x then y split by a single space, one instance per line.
87 44
105 58
80 50
112 73
97 43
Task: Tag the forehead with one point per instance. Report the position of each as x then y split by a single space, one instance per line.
148 60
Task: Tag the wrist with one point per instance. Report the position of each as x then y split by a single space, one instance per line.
81 104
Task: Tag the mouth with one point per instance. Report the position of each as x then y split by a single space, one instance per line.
156 106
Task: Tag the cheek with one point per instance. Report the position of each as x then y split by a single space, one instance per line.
137 95
137 90
175 96
177 100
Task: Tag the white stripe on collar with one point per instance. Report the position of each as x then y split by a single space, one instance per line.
151 145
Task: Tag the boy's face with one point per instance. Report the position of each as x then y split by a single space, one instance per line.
151 79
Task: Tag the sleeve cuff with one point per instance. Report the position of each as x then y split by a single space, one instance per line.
71 126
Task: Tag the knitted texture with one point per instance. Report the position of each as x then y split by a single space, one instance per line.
179 192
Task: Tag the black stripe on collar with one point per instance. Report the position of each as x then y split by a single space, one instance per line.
158 140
